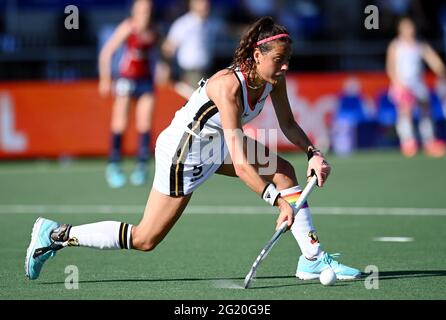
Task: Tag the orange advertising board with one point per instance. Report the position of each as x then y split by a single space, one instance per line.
51 119
44 119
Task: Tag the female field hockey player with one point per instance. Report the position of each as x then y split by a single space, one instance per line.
405 56
214 116
135 82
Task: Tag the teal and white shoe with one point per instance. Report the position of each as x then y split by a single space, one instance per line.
139 175
114 175
38 250
308 270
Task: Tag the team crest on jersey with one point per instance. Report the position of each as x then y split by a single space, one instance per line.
313 236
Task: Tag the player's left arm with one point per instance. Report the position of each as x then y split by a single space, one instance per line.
434 61
296 135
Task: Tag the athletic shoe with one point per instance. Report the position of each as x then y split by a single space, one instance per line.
114 175
139 175
308 270
409 148
40 238
435 148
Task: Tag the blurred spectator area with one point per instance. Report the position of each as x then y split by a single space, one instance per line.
328 35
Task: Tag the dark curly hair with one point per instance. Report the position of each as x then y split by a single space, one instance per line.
263 28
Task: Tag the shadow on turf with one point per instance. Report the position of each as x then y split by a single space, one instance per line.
241 279
383 275
169 280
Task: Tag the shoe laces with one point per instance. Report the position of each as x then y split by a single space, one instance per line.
329 258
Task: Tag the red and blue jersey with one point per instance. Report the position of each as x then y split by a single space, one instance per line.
135 63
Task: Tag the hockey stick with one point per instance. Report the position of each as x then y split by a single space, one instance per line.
303 197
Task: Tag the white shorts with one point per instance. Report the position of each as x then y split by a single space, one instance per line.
409 94
183 162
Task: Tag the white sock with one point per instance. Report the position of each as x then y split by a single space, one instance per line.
404 128
102 235
426 128
302 228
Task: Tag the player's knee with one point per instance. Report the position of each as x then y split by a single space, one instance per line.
142 126
119 125
287 170
285 176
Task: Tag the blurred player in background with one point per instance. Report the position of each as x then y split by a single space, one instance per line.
135 83
214 116
408 90
191 40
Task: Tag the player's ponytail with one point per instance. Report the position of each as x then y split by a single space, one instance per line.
260 30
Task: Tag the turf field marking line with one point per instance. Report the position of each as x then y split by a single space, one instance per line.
393 239
321 210
39 169
198 209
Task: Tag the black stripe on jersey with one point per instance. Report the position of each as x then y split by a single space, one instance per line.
202 110
176 169
204 117
121 245
207 111
173 176
180 179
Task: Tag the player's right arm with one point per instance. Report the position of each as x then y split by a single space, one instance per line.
224 91
116 40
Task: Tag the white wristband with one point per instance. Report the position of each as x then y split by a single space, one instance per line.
270 194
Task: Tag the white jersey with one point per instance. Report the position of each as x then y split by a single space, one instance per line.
192 147
194 38
409 67
409 62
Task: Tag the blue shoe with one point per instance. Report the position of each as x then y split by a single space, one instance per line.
114 175
139 175
40 238
308 270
